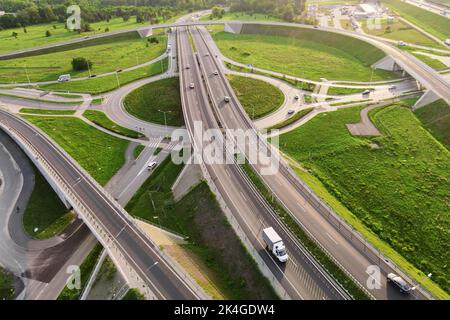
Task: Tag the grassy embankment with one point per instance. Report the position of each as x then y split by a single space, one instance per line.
311 54
45 211
257 97
435 24
295 117
107 83
6 285
47 111
436 118
391 188
101 119
106 54
86 269
211 240
80 139
148 102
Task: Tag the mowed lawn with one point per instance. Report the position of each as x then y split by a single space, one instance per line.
243 16
396 184
100 154
436 118
117 53
431 22
258 98
110 82
149 101
35 35
45 214
304 53
399 30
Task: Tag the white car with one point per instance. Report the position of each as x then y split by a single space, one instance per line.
191 85
151 165
290 111
226 99
216 73
296 97
399 282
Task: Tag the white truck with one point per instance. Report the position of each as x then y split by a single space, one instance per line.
64 77
275 244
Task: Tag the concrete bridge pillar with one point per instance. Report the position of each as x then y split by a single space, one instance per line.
233 27
428 97
387 63
145 33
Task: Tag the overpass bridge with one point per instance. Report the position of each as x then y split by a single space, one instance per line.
143 264
436 86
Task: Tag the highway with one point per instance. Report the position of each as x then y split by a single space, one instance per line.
301 277
350 252
419 70
162 279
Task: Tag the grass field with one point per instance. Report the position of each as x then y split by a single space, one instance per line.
343 91
211 238
68 103
145 102
133 294
433 23
398 190
117 53
107 83
86 269
399 30
243 16
297 116
101 119
44 211
47 111
35 35
436 118
310 54
137 151
6 285
258 97
80 140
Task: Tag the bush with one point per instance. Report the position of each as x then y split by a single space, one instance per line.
48 33
80 64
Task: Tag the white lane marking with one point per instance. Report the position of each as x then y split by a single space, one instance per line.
243 195
332 239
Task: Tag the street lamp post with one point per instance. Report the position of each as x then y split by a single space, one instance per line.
165 119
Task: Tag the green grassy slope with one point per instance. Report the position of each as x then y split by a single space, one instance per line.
163 95
398 190
436 118
80 140
258 98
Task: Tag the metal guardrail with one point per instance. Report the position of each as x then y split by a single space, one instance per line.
322 207
319 267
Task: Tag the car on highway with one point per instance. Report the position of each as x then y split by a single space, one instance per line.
191 85
151 165
447 42
402 43
392 87
226 99
366 92
119 70
399 282
216 73
290 112
206 54
188 66
64 78
296 97
92 75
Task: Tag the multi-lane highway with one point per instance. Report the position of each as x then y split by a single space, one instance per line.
140 253
351 253
301 277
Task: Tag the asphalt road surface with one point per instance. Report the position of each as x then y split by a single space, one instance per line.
352 255
137 249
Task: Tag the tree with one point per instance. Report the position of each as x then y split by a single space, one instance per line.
106 29
80 64
14 34
24 29
48 33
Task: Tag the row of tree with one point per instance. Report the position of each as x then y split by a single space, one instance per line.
29 12
288 10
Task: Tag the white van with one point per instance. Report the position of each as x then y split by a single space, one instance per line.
64 78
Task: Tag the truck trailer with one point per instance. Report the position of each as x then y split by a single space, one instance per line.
275 244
